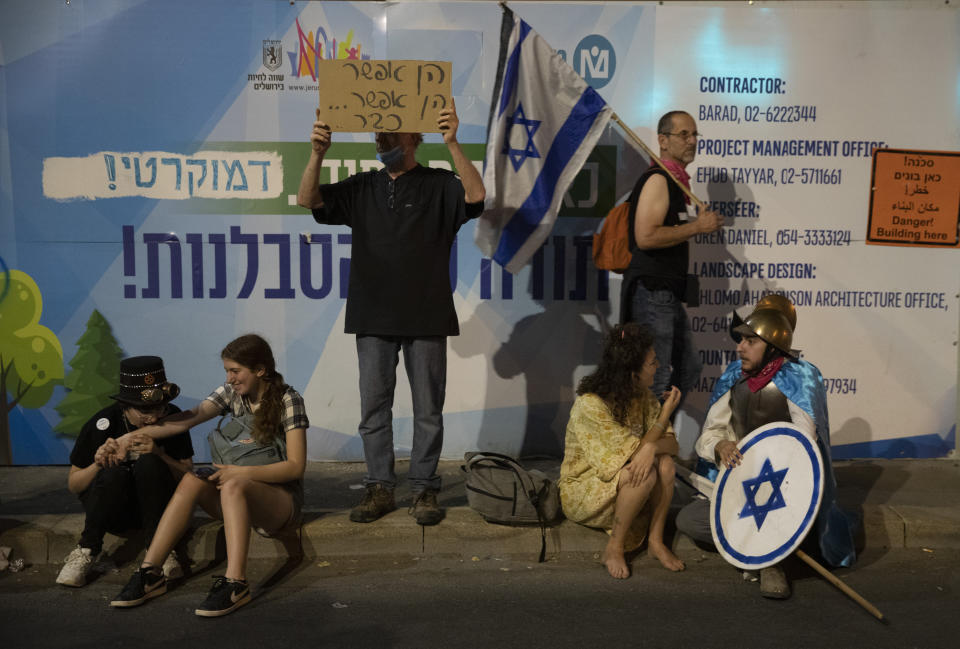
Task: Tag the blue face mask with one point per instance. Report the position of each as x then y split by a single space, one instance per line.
392 159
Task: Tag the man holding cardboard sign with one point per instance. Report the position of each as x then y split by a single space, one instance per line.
404 219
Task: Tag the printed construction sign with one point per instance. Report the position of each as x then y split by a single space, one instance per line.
364 96
915 198
158 194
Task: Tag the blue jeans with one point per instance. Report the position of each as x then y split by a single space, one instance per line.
425 360
664 314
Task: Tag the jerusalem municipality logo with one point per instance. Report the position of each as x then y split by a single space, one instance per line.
595 60
272 55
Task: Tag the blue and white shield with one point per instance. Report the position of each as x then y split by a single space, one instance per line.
763 508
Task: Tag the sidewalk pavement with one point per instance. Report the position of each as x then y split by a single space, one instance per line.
901 503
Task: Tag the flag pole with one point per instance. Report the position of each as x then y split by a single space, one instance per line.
849 592
636 138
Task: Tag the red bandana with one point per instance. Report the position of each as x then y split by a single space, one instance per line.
755 383
679 173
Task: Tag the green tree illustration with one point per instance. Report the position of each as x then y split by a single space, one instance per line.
31 359
93 377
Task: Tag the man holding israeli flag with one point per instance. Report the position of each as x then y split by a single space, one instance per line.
544 121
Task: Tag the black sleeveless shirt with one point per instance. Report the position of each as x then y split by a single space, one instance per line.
660 268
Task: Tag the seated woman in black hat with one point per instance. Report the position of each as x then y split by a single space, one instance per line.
118 496
260 451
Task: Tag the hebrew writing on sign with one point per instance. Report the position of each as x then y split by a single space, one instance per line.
914 199
365 96
160 174
158 192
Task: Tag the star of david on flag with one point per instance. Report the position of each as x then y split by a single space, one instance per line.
530 126
544 121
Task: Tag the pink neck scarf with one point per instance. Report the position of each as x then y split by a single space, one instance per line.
679 173
755 383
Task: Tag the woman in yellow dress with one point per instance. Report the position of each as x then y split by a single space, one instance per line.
617 472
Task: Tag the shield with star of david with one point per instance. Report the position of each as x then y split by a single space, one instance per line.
763 508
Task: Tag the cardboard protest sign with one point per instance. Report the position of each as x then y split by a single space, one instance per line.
914 199
369 96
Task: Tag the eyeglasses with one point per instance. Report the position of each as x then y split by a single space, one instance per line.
684 135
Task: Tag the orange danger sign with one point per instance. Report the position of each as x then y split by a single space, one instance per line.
915 198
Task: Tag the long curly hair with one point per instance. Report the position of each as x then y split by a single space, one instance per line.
254 353
615 380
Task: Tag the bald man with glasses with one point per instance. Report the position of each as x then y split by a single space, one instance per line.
655 284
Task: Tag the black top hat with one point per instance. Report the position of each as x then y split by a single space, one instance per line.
143 382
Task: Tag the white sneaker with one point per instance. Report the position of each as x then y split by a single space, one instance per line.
171 566
75 568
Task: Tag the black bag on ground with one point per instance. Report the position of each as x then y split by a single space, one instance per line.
504 492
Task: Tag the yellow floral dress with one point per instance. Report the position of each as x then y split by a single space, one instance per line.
597 448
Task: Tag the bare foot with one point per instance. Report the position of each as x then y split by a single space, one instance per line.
615 562
666 557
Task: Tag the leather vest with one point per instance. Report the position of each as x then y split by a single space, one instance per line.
750 410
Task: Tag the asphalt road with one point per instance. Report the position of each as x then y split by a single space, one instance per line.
501 602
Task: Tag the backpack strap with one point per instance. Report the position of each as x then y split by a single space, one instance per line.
214 453
635 196
527 485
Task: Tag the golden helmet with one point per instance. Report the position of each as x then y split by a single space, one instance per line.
770 325
782 304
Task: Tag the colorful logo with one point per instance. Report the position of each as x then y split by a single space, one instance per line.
595 60
310 50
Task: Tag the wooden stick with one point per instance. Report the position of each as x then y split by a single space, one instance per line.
636 138
849 592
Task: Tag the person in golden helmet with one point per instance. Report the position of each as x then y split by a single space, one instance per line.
768 382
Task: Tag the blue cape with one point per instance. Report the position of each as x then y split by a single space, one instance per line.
802 383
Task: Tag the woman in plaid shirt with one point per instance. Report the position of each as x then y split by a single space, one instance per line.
267 497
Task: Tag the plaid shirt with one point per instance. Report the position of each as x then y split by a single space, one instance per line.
294 410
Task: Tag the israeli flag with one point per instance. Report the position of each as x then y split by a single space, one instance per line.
544 121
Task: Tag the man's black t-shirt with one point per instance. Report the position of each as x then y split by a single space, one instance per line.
108 423
403 230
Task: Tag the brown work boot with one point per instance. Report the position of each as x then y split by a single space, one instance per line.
773 583
425 509
377 502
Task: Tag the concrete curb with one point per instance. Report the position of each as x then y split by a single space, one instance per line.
43 539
